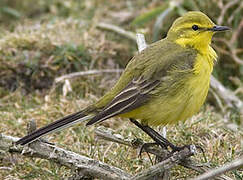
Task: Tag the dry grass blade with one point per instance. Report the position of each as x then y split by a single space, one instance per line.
238 163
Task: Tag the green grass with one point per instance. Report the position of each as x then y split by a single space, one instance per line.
58 41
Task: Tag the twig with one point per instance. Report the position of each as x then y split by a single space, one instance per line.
236 11
224 9
238 163
228 96
218 100
202 168
109 135
237 32
165 165
231 49
5 168
90 167
128 34
141 43
82 164
84 73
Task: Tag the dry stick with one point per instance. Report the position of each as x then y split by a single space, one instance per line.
229 45
227 95
128 34
224 9
165 165
84 73
87 166
202 168
236 164
236 11
109 135
82 164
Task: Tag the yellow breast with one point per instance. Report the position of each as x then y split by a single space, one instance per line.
198 86
186 102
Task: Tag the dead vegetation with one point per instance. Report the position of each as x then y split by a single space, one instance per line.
61 37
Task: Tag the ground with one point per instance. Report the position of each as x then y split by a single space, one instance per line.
58 39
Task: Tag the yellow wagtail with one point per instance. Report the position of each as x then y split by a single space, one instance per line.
165 83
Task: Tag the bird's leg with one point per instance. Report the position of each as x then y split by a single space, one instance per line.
160 140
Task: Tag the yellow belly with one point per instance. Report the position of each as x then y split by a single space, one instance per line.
186 102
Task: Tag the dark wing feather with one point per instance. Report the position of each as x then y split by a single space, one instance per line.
52 127
135 94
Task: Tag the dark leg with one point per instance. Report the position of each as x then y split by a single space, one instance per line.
160 140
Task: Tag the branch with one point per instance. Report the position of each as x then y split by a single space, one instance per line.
227 95
202 168
82 164
224 9
165 165
128 34
238 163
84 73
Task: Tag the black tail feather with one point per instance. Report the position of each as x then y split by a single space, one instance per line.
56 125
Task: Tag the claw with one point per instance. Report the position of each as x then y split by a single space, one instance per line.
145 147
179 148
201 149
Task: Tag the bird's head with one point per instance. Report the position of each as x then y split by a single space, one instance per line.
194 29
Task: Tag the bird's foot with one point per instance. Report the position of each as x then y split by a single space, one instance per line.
179 148
165 152
148 147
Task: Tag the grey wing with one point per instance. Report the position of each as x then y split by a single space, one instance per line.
135 94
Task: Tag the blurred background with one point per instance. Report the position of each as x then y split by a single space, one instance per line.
41 40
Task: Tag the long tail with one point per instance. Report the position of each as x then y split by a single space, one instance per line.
55 126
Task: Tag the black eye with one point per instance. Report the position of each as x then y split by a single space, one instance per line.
195 27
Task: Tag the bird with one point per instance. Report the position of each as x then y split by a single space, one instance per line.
165 83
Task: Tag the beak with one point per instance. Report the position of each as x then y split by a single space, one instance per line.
219 28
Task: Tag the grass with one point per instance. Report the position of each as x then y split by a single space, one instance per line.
37 50
206 129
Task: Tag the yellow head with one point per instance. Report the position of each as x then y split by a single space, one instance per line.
194 29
